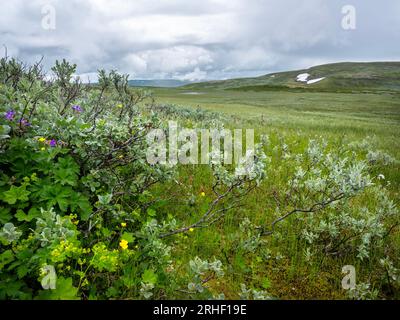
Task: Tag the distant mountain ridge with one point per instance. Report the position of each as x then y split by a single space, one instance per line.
343 76
168 83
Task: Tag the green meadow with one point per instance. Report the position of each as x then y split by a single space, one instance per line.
354 115
312 213
292 117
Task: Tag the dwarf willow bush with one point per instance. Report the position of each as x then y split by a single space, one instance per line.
340 210
75 189
80 216
203 271
352 230
318 180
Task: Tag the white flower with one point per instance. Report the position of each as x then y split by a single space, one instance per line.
381 176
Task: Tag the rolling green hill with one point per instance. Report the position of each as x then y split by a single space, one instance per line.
347 76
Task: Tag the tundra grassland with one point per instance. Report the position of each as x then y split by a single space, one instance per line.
290 118
85 215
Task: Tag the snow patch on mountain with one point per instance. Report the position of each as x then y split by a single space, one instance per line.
303 77
315 80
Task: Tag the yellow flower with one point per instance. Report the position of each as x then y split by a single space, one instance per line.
203 194
123 244
119 106
191 229
41 139
55 253
42 148
123 224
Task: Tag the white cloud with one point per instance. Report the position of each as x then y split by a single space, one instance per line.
199 39
195 75
181 62
135 64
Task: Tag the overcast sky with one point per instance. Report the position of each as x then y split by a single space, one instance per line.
197 40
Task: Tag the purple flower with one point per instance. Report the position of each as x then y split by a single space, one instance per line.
77 108
10 115
52 143
24 122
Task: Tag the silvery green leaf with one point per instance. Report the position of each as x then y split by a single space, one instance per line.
10 232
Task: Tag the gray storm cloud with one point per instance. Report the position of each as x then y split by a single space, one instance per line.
197 40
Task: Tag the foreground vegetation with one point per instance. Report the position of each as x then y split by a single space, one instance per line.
84 216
